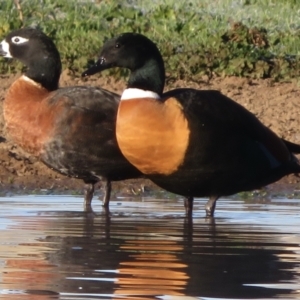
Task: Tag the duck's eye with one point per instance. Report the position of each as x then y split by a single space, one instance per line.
117 45
19 40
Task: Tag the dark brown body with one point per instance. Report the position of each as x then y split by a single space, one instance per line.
200 143
228 149
72 129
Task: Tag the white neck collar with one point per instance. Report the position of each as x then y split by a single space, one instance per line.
25 78
132 93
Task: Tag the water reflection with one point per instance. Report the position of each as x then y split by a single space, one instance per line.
52 252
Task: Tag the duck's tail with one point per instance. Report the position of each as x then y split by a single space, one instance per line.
294 148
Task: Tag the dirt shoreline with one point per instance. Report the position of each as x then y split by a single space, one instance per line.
277 105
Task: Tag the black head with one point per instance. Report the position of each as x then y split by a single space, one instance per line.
135 52
37 51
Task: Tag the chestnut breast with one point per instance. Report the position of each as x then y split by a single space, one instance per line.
153 135
29 118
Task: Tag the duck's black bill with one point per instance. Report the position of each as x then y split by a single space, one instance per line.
99 66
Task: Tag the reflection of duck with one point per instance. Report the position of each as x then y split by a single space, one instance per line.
127 254
205 262
71 129
140 258
29 275
190 142
25 271
155 267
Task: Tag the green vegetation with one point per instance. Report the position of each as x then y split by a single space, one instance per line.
255 38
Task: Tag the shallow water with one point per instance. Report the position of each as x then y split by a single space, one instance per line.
147 249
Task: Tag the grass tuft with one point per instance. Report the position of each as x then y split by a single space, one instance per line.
252 38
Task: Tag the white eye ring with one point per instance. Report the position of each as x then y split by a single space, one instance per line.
19 40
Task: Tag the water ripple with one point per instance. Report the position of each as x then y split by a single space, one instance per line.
148 249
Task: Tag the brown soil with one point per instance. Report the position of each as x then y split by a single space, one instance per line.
277 105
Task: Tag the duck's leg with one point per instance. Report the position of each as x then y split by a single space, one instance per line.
211 205
188 204
88 196
107 191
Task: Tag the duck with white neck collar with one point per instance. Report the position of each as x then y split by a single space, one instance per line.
196 143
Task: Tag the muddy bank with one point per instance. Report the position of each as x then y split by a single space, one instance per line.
277 105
